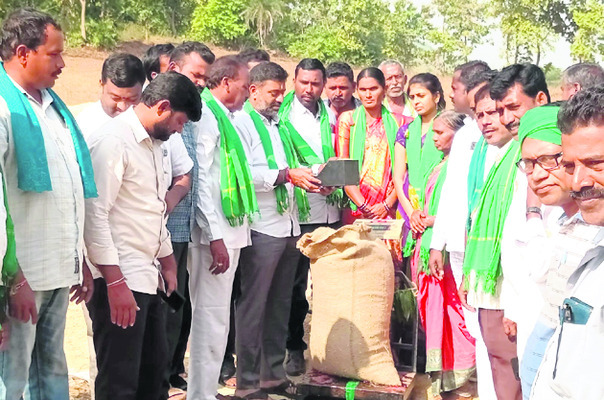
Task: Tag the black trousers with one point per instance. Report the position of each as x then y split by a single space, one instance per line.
299 308
131 361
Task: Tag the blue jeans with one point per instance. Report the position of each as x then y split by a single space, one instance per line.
34 366
533 355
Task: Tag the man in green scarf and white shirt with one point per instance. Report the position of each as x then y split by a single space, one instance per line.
267 267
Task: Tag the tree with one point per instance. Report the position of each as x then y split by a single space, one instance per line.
588 43
261 14
406 30
220 22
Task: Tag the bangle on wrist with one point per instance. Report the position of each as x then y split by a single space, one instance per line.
363 207
388 209
117 282
15 288
288 178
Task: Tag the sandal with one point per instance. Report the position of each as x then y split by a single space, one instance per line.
287 389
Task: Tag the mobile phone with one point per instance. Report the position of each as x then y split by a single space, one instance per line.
575 311
175 301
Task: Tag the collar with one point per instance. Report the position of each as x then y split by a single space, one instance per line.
298 107
46 97
269 122
139 131
230 115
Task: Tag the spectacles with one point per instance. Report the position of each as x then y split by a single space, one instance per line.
547 161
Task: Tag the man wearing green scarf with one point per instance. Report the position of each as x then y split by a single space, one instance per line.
225 204
266 267
48 173
311 130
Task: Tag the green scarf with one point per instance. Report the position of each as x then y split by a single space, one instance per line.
30 153
280 191
424 254
540 123
358 132
236 188
483 248
421 160
476 176
305 153
10 265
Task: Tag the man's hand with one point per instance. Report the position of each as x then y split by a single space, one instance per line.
122 304
416 222
22 305
220 257
303 178
169 270
436 264
326 190
463 295
4 335
510 328
83 291
378 211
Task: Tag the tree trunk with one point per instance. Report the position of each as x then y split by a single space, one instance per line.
83 19
172 21
538 55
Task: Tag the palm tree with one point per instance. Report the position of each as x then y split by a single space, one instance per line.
262 14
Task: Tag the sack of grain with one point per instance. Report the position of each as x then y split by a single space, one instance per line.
353 286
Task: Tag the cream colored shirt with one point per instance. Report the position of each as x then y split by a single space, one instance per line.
49 225
308 126
125 225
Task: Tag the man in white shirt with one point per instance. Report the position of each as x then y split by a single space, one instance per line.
122 80
571 367
48 173
216 240
309 118
128 242
451 221
267 266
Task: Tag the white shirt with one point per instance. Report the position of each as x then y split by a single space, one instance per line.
176 158
211 222
92 118
49 226
308 126
270 223
450 224
125 225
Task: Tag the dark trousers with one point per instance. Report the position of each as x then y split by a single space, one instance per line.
132 361
502 355
262 309
178 324
299 308
230 347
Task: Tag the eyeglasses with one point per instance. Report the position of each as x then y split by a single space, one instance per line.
547 161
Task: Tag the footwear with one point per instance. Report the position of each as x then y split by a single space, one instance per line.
287 389
177 381
228 370
295 364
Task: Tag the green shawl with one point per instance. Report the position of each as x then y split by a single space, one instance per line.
358 132
10 265
421 160
280 191
476 176
236 187
305 153
483 248
432 210
30 153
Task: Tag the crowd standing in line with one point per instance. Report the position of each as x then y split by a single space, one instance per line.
503 202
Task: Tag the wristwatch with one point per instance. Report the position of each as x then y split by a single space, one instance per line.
534 210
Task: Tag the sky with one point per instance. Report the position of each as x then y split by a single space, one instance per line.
492 49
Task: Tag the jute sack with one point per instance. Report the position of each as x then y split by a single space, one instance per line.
353 287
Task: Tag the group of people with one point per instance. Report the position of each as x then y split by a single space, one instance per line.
172 206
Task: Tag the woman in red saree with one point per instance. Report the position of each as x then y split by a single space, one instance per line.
450 349
367 134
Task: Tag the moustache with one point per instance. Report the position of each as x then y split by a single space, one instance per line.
590 193
512 125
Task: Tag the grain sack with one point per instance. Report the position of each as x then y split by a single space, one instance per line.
353 286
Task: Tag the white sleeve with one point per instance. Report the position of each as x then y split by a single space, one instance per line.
179 157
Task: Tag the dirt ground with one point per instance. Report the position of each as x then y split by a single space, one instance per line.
79 84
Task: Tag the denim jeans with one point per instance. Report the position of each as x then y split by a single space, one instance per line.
34 366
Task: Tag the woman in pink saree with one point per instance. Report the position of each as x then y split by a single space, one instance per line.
450 348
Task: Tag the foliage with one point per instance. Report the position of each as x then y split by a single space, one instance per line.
220 22
405 32
261 14
588 42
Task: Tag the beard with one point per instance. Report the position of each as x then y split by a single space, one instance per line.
269 111
161 132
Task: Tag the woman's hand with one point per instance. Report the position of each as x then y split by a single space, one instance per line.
417 222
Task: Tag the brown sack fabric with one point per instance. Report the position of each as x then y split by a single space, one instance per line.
353 286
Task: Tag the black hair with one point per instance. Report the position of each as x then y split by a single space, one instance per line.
24 26
372 72
310 64
585 74
529 76
251 54
337 69
186 48
480 78
123 70
430 82
151 59
469 72
224 67
483 93
178 90
267 71
586 108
